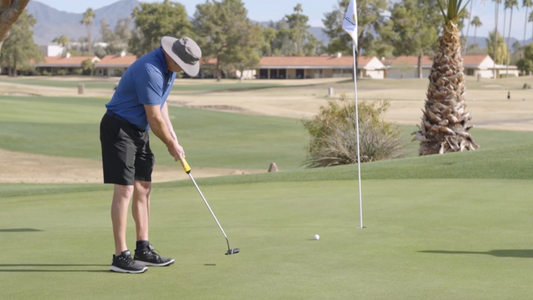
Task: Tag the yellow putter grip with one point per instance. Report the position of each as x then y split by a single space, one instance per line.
185 166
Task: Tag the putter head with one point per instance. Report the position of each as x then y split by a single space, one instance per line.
233 251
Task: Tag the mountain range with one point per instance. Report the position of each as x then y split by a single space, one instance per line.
52 23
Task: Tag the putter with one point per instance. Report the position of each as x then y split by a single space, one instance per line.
187 170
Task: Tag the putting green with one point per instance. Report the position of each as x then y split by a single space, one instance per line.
425 239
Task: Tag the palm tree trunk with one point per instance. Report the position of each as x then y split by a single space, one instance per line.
475 34
504 21
10 10
445 125
496 38
508 48
420 72
15 68
218 71
525 28
89 40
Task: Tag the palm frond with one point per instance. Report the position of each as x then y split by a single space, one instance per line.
455 9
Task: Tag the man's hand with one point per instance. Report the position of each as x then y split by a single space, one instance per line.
176 151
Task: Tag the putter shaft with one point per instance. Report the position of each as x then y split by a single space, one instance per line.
187 170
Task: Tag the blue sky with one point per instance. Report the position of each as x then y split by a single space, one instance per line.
265 10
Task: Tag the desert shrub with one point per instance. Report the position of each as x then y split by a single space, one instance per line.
333 134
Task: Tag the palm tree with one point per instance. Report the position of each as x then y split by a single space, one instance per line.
63 41
476 22
527 4
497 2
504 17
9 13
509 4
468 27
444 125
531 20
87 20
464 39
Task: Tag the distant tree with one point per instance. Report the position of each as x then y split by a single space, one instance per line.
106 32
370 19
116 41
468 27
245 55
303 42
531 20
525 65
461 25
88 67
517 47
123 28
281 44
225 33
268 34
155 20
87 20
527 4
63 40
495 40
476 22
10 10
501 48
19 48
412 28
509 4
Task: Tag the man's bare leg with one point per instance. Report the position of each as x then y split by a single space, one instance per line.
119 215
141 208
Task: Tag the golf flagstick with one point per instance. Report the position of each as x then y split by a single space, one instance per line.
350 26
187 170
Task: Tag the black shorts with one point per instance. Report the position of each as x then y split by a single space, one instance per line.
126 153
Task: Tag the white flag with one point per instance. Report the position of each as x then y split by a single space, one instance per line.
350 21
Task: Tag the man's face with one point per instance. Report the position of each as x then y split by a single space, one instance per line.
174 67
171 65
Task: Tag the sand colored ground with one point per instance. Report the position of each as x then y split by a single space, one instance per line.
294 99
17 167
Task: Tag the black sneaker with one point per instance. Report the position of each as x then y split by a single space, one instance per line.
148 257
125 264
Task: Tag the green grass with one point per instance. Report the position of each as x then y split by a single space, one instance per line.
212 87
69 127
63 83
455 226
232 85
424 240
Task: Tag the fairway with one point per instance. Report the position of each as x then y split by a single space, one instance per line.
455 226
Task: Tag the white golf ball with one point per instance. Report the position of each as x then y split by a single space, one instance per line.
317 237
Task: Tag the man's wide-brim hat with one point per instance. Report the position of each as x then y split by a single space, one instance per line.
184 52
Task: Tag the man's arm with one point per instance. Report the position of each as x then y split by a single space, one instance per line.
166 117
161 130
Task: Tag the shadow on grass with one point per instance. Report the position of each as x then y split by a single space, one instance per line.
517 253
42 268
20 230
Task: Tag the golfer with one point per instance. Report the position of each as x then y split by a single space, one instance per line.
138 105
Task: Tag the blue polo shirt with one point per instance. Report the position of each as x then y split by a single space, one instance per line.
146 82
